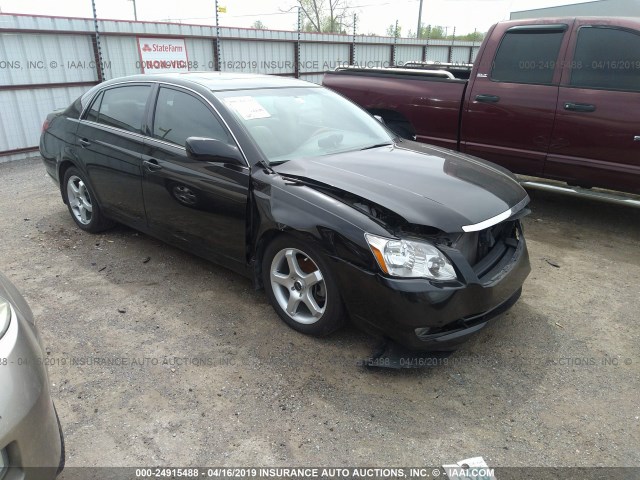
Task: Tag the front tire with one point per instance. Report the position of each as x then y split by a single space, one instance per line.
82 203
301 287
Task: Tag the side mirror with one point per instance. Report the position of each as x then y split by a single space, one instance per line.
379 118
211 150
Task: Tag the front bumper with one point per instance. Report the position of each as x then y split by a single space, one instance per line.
29 430
430 316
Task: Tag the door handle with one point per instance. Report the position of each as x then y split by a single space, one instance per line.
579 107
84 142
152 165
484 98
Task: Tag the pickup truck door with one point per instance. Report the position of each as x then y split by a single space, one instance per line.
596 139
510 108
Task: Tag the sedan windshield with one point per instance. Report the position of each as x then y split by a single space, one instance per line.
291 123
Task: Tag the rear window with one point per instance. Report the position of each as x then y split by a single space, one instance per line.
607 58
528 56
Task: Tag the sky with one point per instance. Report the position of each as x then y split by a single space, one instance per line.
373 16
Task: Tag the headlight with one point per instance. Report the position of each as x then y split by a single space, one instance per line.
5 316
410 258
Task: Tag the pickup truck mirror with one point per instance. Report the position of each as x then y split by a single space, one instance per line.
379 118
211 150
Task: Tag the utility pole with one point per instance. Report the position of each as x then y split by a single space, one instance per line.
135 12
419 19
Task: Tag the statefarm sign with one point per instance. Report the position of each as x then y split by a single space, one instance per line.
160 55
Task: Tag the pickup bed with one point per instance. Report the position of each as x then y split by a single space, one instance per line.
553 98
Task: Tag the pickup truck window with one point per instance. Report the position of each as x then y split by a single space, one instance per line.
607 58
527 56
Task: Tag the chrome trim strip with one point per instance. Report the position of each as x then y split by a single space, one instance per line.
498 218
104 126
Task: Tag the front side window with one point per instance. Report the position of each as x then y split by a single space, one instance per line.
528 56
180 115
606 58
122 107
291 123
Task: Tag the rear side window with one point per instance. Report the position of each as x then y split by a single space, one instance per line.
606 58
528 56
180 116
122 107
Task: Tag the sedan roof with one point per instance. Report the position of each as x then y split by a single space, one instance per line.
220 81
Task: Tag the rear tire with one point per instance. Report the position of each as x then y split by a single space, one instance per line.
301 287
63 454
82 203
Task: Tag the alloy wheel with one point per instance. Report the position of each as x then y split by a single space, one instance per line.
79 200
298 286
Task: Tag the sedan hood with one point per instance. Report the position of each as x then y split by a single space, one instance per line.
425 185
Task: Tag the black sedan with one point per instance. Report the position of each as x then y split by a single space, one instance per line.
299 189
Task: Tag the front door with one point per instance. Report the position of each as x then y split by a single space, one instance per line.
199 206
511 105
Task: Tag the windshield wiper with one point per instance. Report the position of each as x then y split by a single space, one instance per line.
277 162
377 145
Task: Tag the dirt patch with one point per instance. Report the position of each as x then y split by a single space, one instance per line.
158 357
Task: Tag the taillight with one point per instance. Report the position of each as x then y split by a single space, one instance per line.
45 125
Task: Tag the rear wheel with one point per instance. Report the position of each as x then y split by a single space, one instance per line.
301 287
83 207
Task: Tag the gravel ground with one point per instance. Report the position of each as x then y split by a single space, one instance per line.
209 375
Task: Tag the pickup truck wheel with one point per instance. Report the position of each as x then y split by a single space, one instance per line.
301 287
82 203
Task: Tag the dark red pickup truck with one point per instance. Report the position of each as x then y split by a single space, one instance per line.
552 98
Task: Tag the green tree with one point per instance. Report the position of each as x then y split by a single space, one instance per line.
326 16
258 25
437 32
392 32
472 37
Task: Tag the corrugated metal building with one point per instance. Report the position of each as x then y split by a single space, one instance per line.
47 62
600 8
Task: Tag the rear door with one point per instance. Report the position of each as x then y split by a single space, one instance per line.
596 139
511 106
199 206
109 145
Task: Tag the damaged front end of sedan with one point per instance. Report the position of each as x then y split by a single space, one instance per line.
418 286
